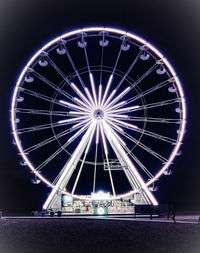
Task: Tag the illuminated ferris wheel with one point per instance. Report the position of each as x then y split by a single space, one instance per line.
98 108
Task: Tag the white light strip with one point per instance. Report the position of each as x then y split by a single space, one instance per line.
72 120
73 106
115 106
116 115
78 133
106 90
82 103
109 98
112 138
89 96
97 133
93 88
113 124
79 113
124 123
100 93
82 122
117 98
127 109
103 138
81 94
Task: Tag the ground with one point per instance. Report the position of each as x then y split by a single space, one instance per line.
93 236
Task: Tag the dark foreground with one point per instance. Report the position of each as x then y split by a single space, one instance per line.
93 236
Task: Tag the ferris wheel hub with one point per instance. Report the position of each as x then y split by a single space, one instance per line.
98 114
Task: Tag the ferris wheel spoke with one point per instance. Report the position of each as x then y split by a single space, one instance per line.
117 60
59 71
69 141
107 160
67 80
93 89
38 95
38 127
122 123
51 139
139 163
148 133
106 105
143 146
117 116
129 69
73 106
52 85
74 120
158 104
96 153
83 161
41 112
121 110
149 91
74 66
81 95
140 144
154 120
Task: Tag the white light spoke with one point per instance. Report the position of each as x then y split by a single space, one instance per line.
79 113
118 137
116 115
77 90
127 109
78 133
72 120
83 104
109 98
103 139
82 163
106 105
106 90
93 88
97 133
82 122
115 106
89 97
73 106
100 94
114 125
124 124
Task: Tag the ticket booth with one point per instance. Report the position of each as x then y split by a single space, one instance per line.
100 203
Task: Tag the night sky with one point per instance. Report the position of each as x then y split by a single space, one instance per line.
172 26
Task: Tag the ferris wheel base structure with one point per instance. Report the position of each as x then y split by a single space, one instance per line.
97 204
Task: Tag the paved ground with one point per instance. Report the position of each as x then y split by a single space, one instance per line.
97 235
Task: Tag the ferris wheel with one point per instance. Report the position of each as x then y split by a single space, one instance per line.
98 108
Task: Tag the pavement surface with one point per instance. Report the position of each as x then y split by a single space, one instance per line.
99 234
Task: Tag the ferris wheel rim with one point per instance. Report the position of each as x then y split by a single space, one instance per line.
140 40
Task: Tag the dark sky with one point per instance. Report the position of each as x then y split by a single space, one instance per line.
172 26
